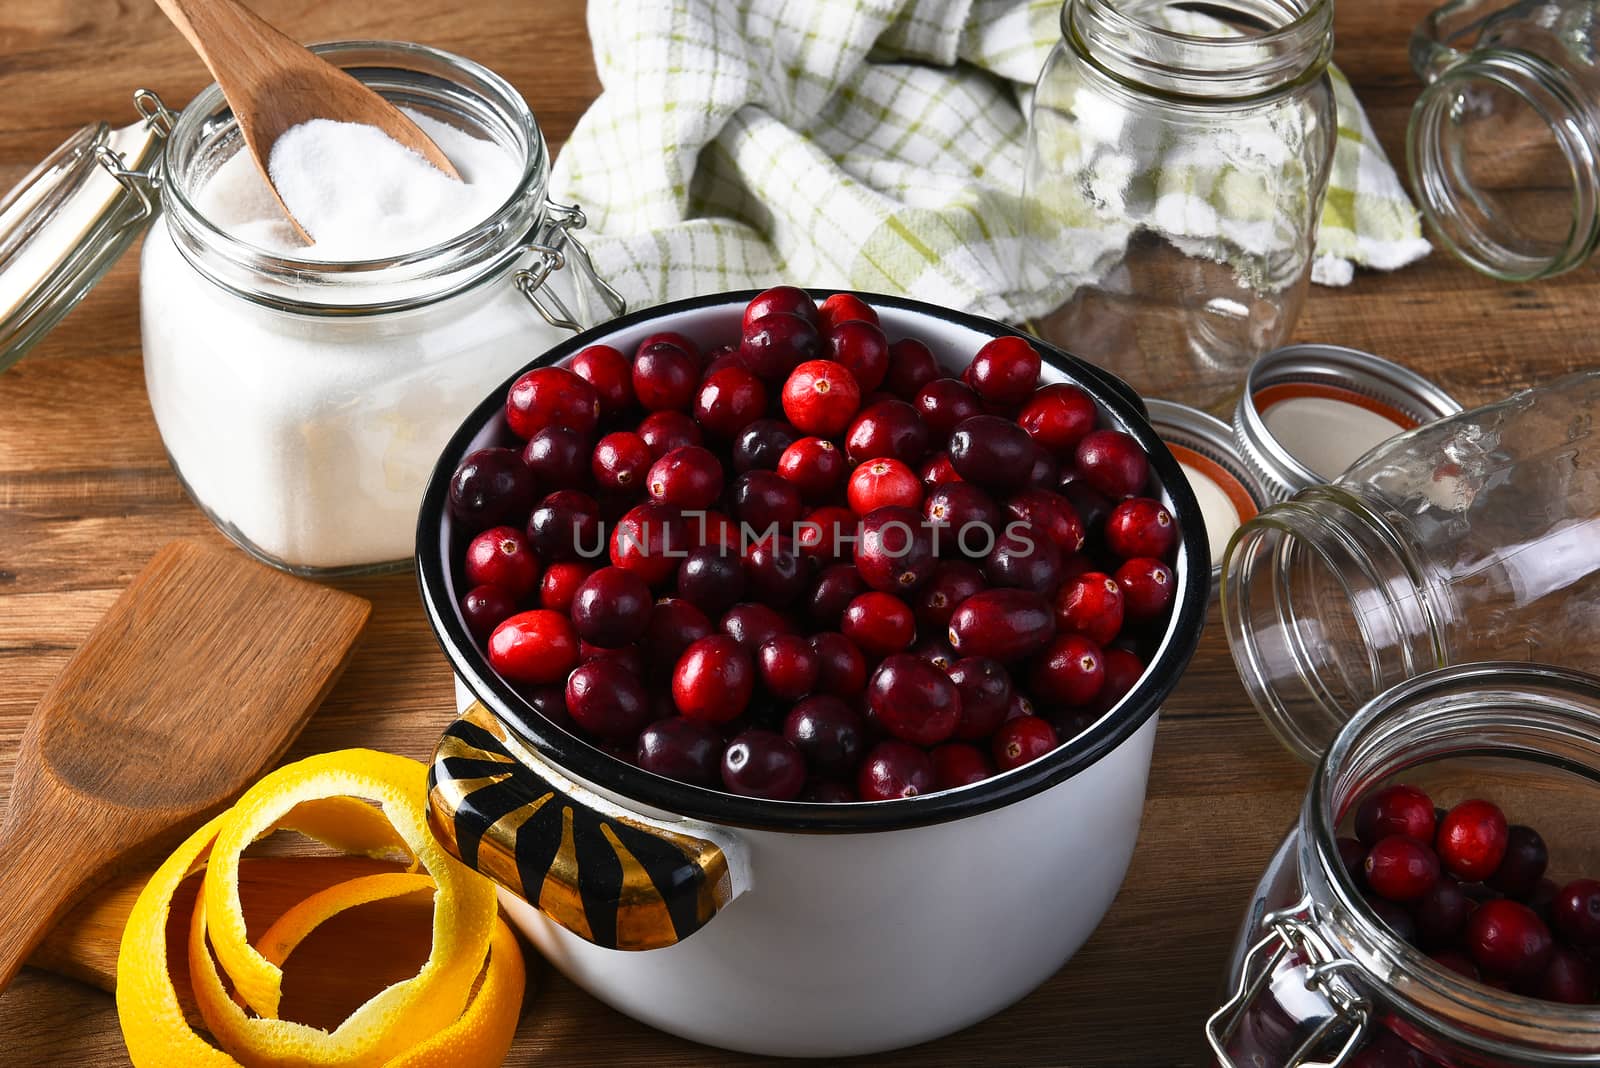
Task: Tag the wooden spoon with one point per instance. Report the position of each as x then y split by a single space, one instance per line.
273 83
190 688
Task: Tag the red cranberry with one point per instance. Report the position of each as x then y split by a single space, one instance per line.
761 763
677 340
821 397
1113 463
760 445
773 569
844 308
879 624
1472 840
689 477
1018 706
993 452
826 533
831 594
650 540
751 624
1523 864
937 470
500 557
1057 417
485 608
890 429
1140 526
713 680
1021 740
558 458
815 466
1507 938
1401 869
565 526
729 400
711 579
945 403
1576 912
721 358
862 349
611 375
684 749
1005 371
606 700
664 377
1123 672
841 668
631 657
551 396
1568 978
774 345
762 499
1024 557
1070 671
956 764
1051 513
668 430
911 366
952 582
914 700
1442 912
965 518
780 300
894 769
829 734
1006 625
985 691
1148 587
611 608
894 551
621 461
1397 809
788 666
675 624
490 487
537 647
1090 604
881 483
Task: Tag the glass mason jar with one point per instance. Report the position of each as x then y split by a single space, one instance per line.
1504 144
1177 162
303 403
1318 978
1476 537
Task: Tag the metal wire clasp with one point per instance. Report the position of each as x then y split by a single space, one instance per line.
552 243
141 184
1294 932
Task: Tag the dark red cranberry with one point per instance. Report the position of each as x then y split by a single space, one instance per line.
1005 371
665 431
880 624
774 572
621 461
762 499
895 769
1393 916
835 587
821 397
788 666
992 452
1400 868
537 647
664 378
485 608
1140 526
937 470
1457 962
829 734
751 624
1542 899
713 679
651 540
1576 912
1021 740
911 367
611 375
761 763
607 700
1472 840
712 579
1442 912
956 764
551 703
827 533
559 458
1006 625
1026 558
914 700
841 667
729 400
560 584
952 582
688 750
828 792
1090 604
816 466
965 519
1569 978
689 477
1353 856
1507 938
760 445
1070 671
551 396
631 657
566 526
1057 417
1090 504
985 690
611 608
1051 513
1043 471
720 358
936 651
490 487
677 340
774 345
1018 706
1123 672
1148 587
890 429
844 308
500 556
1397 809
675 624
1523 864
882 483
944 404
1113 463
780 300
894 550
862 349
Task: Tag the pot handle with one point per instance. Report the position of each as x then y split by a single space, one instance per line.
609 875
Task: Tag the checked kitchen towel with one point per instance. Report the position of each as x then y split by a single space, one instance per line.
869 144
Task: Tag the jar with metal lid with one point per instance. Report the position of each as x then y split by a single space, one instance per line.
1319 977
1475 537
303 402
1177 163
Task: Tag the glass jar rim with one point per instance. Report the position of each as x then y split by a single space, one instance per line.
456 263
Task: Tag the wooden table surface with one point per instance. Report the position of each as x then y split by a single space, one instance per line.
86 495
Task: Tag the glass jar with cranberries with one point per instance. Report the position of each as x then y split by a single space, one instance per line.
1437 903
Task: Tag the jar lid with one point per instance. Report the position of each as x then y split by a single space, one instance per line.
70 220
1308 412
1203 445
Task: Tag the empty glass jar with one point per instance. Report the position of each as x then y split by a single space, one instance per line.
1476 537
1177 163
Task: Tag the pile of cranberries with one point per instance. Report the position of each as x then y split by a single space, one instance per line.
807 564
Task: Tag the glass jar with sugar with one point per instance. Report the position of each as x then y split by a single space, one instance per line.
303 393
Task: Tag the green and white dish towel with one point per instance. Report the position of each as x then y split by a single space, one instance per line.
868 144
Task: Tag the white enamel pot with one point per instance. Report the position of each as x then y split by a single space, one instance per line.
791 928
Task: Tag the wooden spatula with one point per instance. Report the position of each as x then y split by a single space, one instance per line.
190 688
273 83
